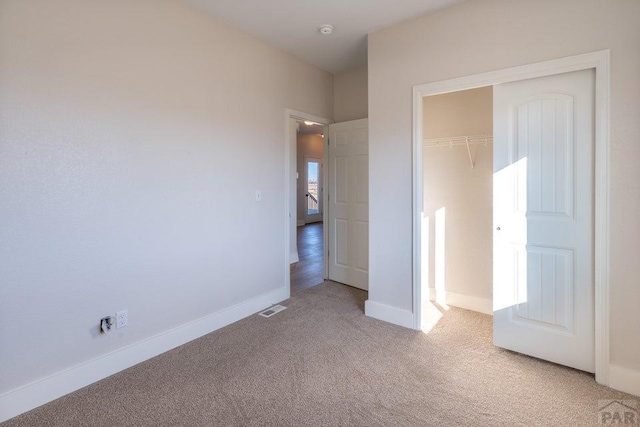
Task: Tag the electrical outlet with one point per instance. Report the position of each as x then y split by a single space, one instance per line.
122 319
105 324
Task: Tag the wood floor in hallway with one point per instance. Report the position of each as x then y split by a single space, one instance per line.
309 271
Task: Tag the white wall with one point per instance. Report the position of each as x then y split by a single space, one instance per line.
465 192
486 35
350 95
309 145
133 136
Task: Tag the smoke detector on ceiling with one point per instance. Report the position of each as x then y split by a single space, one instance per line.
325 29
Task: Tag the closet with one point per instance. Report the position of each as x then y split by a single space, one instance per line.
457 203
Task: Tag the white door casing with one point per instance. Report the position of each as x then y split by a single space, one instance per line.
290 176
293 213
348 199
543 218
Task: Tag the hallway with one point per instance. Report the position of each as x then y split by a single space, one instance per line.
309 271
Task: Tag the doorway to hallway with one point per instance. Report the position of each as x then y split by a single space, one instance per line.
309 271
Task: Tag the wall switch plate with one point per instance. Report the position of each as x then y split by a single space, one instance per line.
258 196
122 319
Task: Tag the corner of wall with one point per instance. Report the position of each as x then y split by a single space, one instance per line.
467 302
351 95
624 379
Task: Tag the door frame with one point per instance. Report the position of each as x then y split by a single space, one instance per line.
319 160
290 113
599 61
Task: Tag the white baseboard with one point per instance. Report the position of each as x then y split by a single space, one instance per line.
293 257
394 315
38 393
481 305
624 379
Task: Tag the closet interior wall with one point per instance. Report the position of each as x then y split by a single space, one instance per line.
457 195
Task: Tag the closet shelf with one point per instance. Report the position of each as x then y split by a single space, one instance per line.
450 141
460 140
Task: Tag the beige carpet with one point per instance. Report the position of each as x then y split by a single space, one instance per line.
321 362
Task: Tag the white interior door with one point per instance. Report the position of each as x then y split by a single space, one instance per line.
348 246
543 218
312 190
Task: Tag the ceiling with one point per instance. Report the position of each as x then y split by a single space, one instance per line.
292 25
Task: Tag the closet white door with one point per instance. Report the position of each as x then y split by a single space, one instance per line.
543 218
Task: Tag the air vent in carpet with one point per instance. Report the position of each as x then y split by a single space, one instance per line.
271 311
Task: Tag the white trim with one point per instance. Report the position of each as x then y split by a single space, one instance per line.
468 302
601 220
325 200
595 60
624 379
45 390
417 214
290 113
387 313
293 257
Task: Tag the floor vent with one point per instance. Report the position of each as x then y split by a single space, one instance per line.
273 310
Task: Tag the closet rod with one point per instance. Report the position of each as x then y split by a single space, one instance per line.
460 140
450 141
